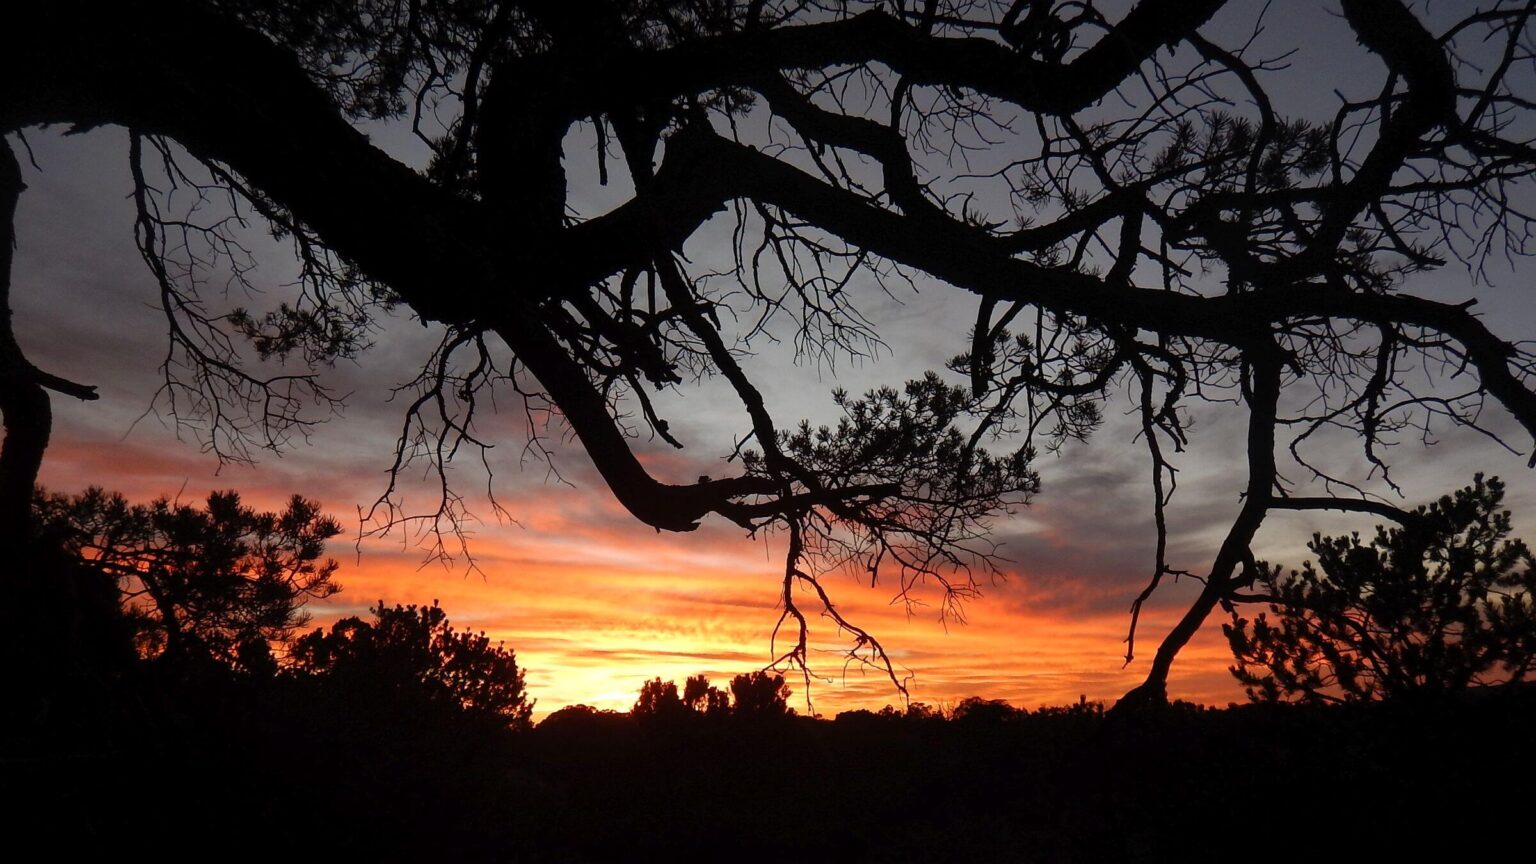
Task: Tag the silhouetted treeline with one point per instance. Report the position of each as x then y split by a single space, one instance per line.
395 735
294 765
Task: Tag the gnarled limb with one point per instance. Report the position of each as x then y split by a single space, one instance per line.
24 403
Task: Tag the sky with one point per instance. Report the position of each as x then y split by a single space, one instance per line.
592 601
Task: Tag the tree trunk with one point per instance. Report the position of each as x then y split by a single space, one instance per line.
1263 396
23 402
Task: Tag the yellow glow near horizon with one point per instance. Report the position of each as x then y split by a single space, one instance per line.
594 636
594 604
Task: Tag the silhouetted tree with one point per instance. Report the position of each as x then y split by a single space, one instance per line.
576 714
1445 602
989 712
1119 197
223 581
658 699
579 721
704 698
411 653
1081 708
760 694
915 711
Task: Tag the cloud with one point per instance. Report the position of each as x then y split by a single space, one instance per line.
594 602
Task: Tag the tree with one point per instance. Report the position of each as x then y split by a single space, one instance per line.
760 694
1120 197
411 655
985 712
753 694
1446 602
659 699
704 698
221 582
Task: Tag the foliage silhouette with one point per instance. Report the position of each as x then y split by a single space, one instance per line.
1118 197
760 695
411 655
659 699
222 582
1443 603
757 694
577 717
704 698
979 711
595 786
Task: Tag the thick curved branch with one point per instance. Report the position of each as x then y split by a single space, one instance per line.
1348 505
983 65
434 247
1387 28
23 403
1263 393
661 505
977 261
139 64
458 261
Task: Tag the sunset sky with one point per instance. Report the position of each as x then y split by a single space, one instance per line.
594 602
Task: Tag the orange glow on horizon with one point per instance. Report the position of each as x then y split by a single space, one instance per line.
593 632
594 603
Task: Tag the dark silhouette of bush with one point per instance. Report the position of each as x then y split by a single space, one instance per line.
977 710
222 582
760 695
754 694
1443 603
579 717
411 655
1081 708
704 698
659 699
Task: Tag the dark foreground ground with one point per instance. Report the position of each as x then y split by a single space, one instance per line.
232 770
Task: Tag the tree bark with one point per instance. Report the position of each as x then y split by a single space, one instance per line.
23 401
1263 398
